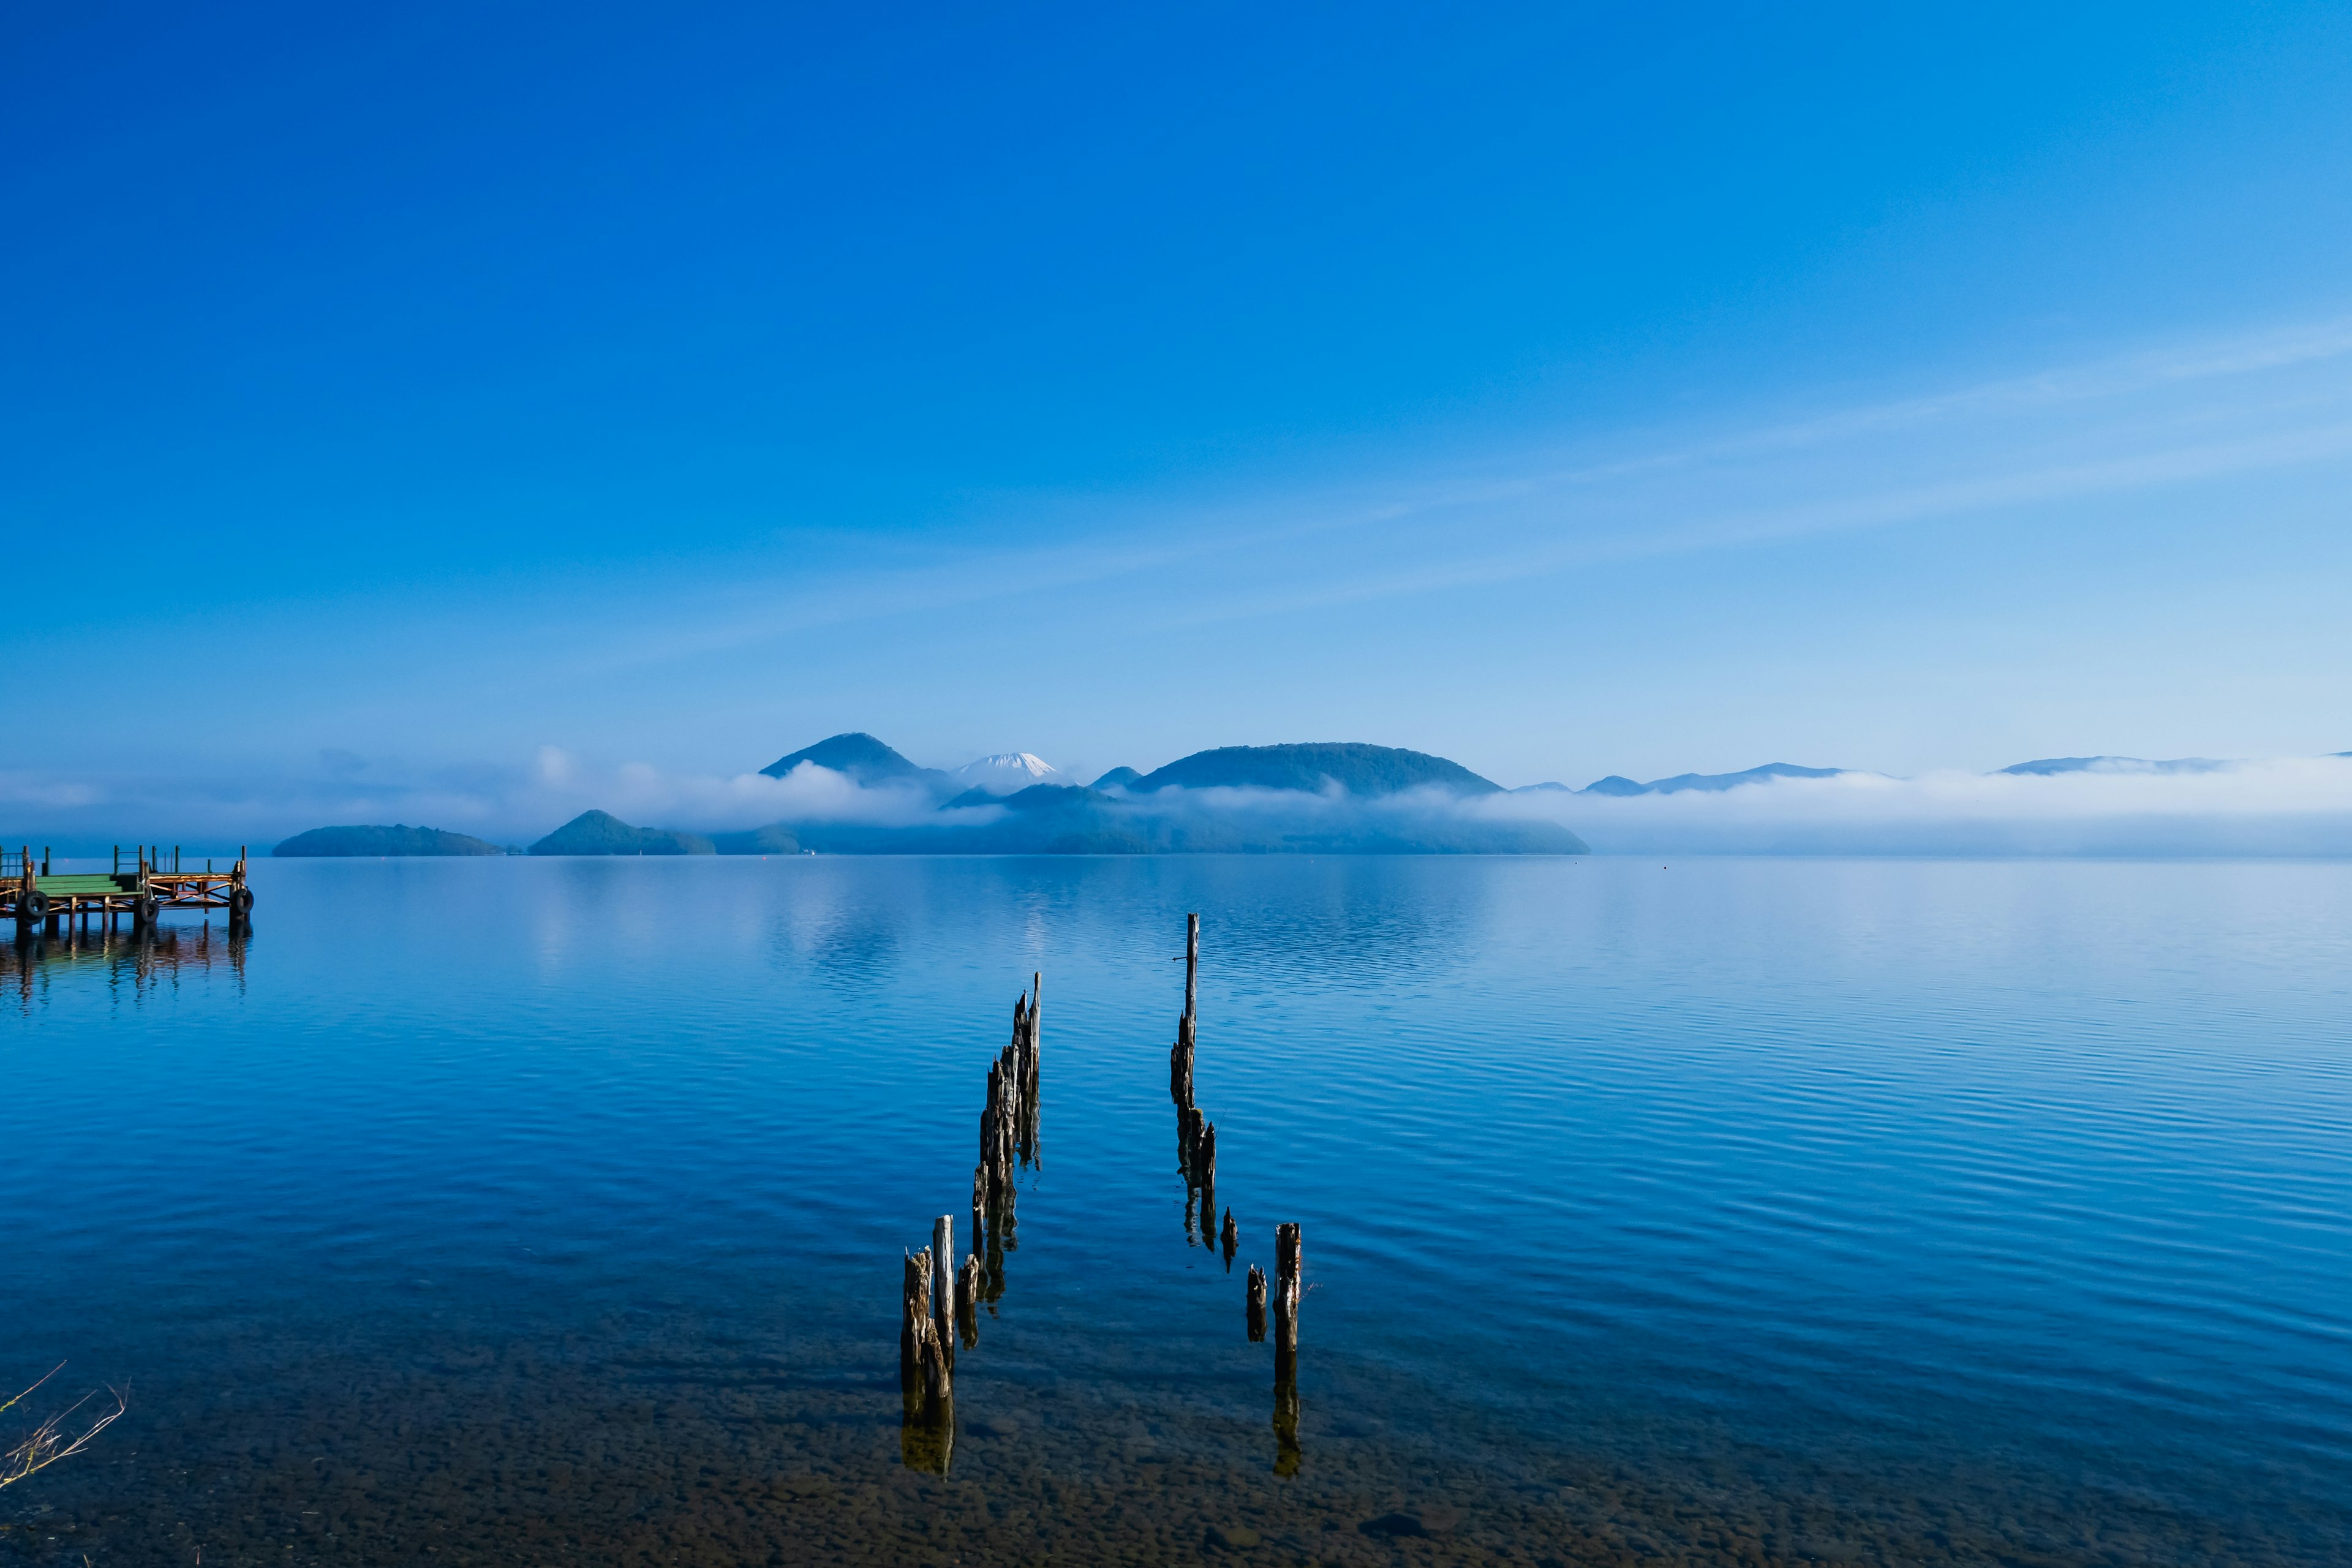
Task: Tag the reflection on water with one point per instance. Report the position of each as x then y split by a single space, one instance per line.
1771 1212
126 963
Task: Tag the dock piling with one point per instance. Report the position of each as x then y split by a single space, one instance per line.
1287 1266
943 1283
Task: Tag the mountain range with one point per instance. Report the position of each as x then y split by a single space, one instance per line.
1618 784
1328 798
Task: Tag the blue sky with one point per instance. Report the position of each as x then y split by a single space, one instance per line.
388 397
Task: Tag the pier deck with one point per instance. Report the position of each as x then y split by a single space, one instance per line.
31 894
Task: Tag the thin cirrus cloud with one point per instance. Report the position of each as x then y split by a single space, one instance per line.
2147 421
2270 401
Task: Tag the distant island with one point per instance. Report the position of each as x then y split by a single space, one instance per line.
602 833
378 841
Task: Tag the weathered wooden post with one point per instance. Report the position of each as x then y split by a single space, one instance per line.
1204 1173
1231 1239
968 1299
1256 1305
926 1380
978 1208
1288 1264
1191 964
914 1322
943 1284
1030 1097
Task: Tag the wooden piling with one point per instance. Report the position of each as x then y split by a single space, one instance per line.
1031 1099
914 1321
1288 1262
979 1208
1256 1305
1230 1239
968 1299
1191 963
943 1284
1205 1177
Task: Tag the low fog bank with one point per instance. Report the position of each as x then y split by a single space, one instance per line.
1049 819
2283 806
2278 807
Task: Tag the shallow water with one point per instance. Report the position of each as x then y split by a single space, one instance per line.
1761 1212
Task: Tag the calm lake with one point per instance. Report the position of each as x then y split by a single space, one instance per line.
1727 1212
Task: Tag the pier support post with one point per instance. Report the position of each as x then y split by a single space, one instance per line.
1289 1260
1191 964
943 1284
1287 1267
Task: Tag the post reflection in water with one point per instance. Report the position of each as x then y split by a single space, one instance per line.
138 960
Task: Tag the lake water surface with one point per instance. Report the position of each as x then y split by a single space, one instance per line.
1727 1212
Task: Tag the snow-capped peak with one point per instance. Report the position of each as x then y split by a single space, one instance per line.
1007 772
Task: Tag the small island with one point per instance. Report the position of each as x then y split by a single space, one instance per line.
602 833
399 839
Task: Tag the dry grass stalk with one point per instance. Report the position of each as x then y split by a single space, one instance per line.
49 1442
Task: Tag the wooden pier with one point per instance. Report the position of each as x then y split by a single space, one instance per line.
139 893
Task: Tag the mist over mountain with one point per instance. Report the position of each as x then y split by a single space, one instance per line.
2047 766
858 757
1322 798
1319 798
1355 768
1617 785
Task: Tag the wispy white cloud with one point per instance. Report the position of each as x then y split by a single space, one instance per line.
2172 415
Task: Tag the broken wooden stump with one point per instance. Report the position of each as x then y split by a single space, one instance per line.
1180 1064
1256 1305
1204 1176
1288 1263
943 1285
967 1300
914 1322
1231 1239
1030 1097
